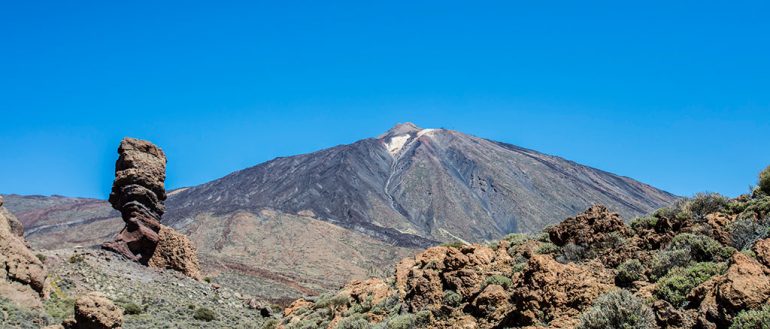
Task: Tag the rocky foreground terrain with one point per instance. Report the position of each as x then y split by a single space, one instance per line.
701 263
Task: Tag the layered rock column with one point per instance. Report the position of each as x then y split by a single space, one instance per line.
138 193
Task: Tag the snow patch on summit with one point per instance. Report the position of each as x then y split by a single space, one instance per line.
396 143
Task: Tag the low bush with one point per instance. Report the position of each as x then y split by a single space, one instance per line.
357 321
752 319
703 204
332 301
645 222
76 258
675 286
665 260
744 232
403 321
132 309
547 248
702 248
500 280
758 208
629 271
571 252
618 309
204 314
452 298
764 180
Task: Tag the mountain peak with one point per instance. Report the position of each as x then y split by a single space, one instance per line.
401 129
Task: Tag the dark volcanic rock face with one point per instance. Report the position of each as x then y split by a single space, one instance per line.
138 193
414 187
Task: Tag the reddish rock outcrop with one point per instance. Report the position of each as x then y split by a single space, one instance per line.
558 291
175 251
589 228
94 311
138 193
744 286
22 274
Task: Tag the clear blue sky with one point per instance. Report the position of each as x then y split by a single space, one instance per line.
675 95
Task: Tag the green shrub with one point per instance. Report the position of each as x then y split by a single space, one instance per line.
452 298
618 309
332 301
41 257
629 271
665 260
133 309
76 258
758 208
752 319
17 317
59 307
207 279
675 286
702 248
764 180
703 204
517 238
357 321
204 314
403 321
744 232
571 252
547 248
645 222
500 280
422 319
271 324
677 212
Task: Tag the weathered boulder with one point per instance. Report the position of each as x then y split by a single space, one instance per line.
22 274
762 250
94 311
16 227
554 290
589 228
175 251
744 286
138 193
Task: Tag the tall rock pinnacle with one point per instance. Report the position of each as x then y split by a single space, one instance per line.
138 193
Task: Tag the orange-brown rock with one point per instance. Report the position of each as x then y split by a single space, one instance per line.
492 303
297 305
94 311
175 251
16 227
744 286
590 228
371 291
762 249
554 290
138 193
22 274
717 224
